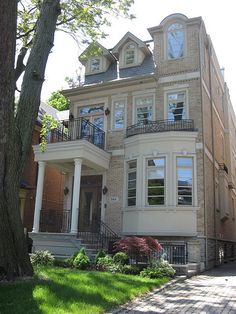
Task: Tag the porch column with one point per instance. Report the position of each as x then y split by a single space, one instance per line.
39 195
76 194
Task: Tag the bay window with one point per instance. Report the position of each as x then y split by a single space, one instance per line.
156 181
131 184
185 180
177 105
143 109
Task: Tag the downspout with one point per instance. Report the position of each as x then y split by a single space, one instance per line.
213 144
203 152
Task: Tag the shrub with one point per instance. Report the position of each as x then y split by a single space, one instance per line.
81 261
130 270
121 258
100 254
103 263
41 258
63 262
163 269
138 248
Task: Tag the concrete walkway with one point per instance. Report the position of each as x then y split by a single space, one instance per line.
212 292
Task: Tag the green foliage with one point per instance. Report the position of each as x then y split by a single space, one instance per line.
48 124
59 101
81 261
163 269
100 254
121 258
80 18
130 270
105 261
41 258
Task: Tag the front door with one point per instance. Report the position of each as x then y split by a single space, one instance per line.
90 208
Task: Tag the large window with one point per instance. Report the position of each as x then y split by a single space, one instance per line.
132 179
175 41
118 114
156 181
177 106
185 180
143 109
130 54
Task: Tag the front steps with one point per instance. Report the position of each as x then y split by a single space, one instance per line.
189 269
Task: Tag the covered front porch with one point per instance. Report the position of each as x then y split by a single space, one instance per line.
84 166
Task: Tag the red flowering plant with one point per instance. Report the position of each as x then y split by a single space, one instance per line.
139 248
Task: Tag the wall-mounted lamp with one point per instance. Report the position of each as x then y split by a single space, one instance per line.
104 190
71 117
66 190
107 111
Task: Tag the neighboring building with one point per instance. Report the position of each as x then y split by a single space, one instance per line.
150 147
52 201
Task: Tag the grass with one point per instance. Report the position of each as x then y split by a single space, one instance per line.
64 291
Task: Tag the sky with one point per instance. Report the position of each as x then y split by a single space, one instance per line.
218 16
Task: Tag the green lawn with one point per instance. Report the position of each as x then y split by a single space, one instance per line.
64 291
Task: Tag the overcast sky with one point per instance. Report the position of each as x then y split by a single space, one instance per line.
218 16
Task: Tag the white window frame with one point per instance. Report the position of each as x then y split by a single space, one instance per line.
89 65
114 101
135 106
174 91
166 32
127 181
146 179
193 180
135 50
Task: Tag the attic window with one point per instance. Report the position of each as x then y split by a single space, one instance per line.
130 53
95 64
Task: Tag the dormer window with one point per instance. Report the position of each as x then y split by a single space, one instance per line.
130 54
175 41
95 64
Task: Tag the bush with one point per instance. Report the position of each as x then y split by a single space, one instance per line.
41 258
100 254
121 258
163 269
63 262
130 270
81 261
103 263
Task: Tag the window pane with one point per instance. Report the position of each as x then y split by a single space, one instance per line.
175 41
184 162
131 201
131 183
119 109
132 164
156 181
177 106
185 180
91 109
95 64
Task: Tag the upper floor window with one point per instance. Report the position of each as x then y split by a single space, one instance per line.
130 54
177 106
118 114
156 181
95 64
143 109
175 41
185 180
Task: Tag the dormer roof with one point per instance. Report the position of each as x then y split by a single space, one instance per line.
131 37
88 52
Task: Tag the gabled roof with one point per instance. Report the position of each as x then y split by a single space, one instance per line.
85 54
129 36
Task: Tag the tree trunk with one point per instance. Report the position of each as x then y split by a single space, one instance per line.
16 132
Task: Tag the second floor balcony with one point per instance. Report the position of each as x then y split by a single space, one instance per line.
160 126
78 129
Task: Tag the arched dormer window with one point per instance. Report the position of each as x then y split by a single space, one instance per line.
175 41
130 54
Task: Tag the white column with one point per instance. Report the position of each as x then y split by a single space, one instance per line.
39 195
76 194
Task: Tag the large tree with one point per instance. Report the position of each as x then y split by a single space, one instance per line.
34 35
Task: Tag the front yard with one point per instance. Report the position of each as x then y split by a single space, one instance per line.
64 291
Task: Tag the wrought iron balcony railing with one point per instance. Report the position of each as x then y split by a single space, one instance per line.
77 129
160 126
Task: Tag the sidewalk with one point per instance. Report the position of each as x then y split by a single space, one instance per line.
212 292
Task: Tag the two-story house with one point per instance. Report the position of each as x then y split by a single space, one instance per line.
150 147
